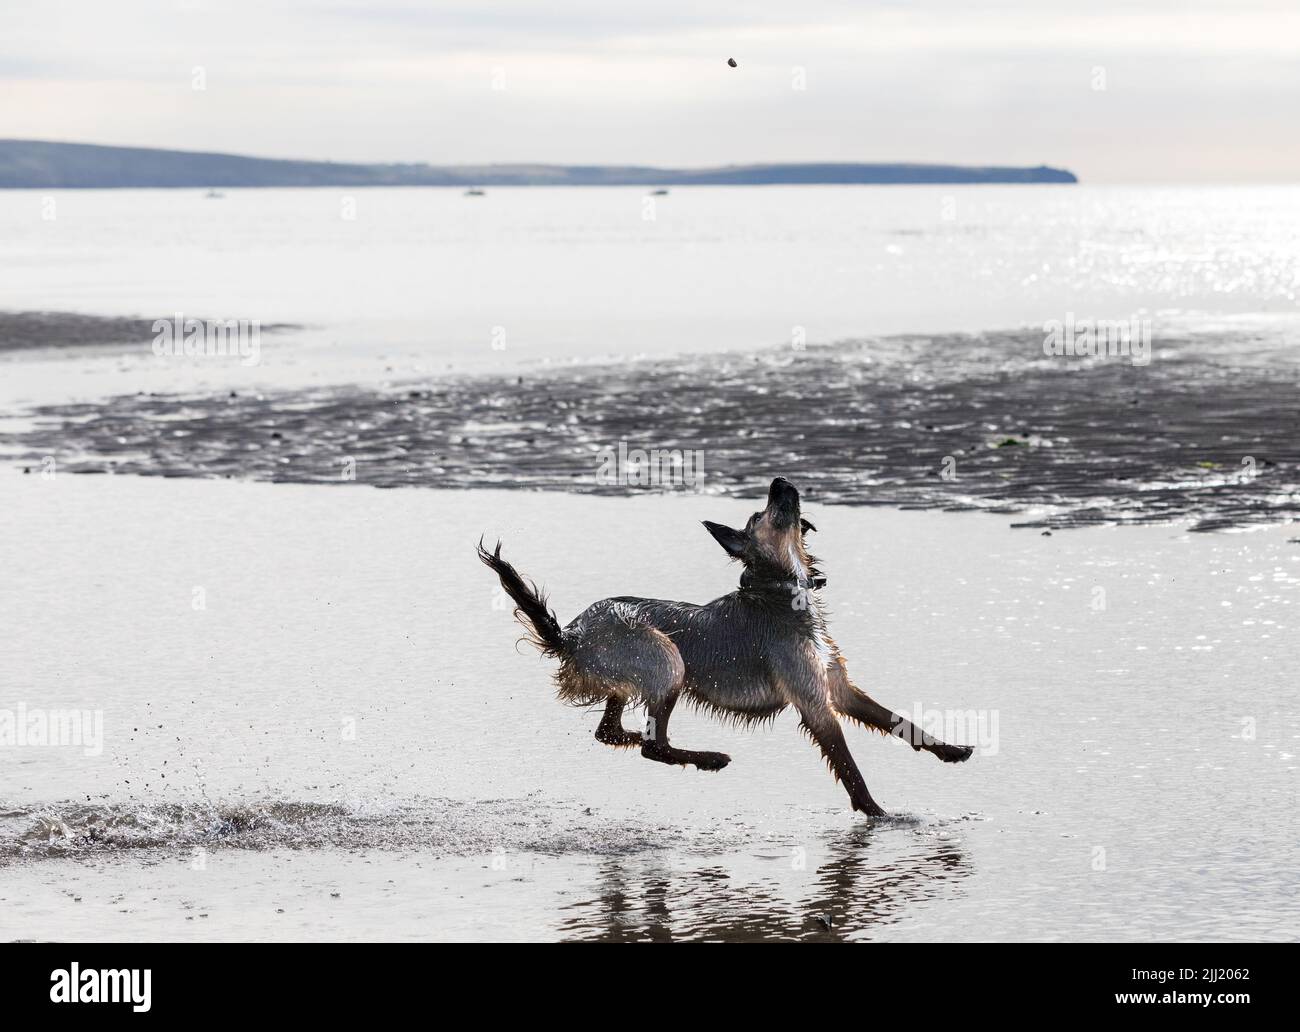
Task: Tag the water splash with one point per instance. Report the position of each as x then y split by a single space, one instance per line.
438 827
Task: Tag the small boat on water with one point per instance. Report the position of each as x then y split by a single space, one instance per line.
474 192
659 193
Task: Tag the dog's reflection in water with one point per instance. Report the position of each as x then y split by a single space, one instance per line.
846 896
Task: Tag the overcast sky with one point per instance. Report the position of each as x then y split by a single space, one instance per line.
1189 90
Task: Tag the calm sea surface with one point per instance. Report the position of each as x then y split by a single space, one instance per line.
406 282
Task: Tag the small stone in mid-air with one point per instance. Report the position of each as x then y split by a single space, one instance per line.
731 62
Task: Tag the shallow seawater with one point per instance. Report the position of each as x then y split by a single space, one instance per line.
425 280
316 725
421 276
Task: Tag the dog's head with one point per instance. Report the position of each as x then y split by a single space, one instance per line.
772 544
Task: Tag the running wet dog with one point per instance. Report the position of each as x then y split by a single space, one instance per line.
746 656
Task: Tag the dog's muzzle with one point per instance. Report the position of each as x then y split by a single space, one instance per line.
783 503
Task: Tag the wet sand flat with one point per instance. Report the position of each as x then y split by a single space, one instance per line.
316 725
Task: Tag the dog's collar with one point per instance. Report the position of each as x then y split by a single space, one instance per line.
790 585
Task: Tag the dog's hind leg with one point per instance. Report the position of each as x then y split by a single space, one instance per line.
824 729
635 661
656 747
855 704
610 730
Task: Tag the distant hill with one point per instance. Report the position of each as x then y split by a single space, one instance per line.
35 164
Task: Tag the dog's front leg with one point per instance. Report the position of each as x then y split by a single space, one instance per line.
857 705
824 728
800 678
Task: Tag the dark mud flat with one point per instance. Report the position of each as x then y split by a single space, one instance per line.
953 422
26 331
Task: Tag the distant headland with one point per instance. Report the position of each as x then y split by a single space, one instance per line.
37 164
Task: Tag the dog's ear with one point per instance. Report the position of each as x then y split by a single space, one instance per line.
732 541
806 525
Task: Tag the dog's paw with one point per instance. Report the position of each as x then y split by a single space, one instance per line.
954 753
710 760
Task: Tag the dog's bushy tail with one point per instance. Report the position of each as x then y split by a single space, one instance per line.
531 609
